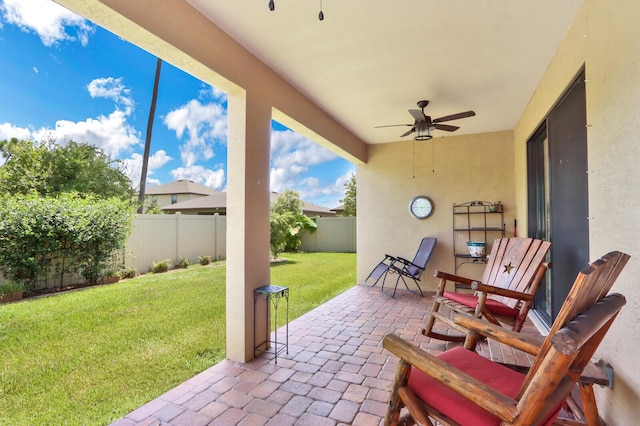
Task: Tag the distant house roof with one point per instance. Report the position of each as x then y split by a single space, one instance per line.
214 201
219 201
181 187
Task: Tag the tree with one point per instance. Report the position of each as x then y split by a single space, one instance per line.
288 222
147 141
22 171
49 169
349 200
279 224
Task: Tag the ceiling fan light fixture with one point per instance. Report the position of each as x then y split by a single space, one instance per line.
422 133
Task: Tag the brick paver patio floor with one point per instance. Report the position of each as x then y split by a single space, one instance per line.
336 371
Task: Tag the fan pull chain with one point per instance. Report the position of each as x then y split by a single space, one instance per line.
433 156
321 14
413 159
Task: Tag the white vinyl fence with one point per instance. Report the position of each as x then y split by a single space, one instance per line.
334 234
159 237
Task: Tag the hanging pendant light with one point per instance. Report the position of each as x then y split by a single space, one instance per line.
272 7
423 133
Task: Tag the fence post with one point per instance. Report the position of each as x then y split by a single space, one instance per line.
178 220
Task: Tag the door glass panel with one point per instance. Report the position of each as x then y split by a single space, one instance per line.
538 210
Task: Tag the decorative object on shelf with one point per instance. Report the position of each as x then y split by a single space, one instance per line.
475 222
495 207
421 207
477 248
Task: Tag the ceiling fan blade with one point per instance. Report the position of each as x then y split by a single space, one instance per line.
455 116
408 132
392 125
446 127
417 114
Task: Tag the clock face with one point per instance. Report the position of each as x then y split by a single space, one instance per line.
421 207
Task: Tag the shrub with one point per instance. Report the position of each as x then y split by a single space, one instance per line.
204 260
128 272
161 266
111 273
182 263
44 237
280 224
10 287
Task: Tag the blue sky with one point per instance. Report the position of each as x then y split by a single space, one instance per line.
64 78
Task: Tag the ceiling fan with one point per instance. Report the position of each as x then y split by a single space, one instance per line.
423 124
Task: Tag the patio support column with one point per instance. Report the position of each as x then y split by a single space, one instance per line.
249 132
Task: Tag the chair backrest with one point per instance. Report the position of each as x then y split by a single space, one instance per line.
525 257
422 256
580 326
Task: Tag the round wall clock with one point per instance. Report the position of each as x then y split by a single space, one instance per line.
421 207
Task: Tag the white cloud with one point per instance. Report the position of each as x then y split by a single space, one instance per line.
112 133
214 179
291 157
327 195
111 88
35 70
133 167
210 92
48 20
202 125
8 131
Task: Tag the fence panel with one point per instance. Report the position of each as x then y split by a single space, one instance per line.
158 237
334 234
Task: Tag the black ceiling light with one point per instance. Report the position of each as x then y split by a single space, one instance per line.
423 133
272 7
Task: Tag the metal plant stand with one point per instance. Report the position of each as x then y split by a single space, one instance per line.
272 295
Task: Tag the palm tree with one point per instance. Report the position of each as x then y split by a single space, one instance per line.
147 141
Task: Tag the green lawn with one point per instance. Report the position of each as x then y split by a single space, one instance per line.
91 356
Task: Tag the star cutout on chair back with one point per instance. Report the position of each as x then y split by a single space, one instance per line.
508 268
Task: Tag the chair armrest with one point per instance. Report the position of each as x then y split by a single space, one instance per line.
408 262
528 343
477 286
457 380
451 277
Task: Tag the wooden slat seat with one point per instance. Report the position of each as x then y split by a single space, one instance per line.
503 296
459 387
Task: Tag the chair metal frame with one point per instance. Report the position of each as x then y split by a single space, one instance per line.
403 267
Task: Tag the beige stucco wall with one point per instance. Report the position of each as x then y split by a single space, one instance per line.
449 170
604 37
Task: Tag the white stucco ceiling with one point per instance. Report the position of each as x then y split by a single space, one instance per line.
369 61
